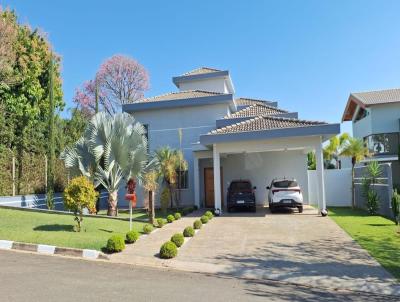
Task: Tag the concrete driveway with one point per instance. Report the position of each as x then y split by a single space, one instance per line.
298 248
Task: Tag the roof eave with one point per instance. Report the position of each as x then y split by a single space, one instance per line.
203 76
352 99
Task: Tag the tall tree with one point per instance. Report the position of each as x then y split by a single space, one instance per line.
8 38
51 156
333 149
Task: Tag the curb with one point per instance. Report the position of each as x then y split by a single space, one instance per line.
53 250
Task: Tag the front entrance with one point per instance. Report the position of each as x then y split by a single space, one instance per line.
209 188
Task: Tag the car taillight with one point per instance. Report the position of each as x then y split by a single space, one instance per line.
292 190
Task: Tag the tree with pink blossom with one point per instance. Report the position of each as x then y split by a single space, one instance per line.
119 80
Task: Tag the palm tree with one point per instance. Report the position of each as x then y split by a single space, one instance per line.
357 151
336 144
150 184
113 149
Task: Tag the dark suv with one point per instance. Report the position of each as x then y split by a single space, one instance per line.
241 195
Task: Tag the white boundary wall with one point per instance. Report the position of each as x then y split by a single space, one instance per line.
337 187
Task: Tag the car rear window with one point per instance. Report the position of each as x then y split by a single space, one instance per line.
240 186
285 184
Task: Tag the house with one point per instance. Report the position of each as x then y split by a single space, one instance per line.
226 137
375 117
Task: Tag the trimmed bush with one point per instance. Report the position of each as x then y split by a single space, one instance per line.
147 228
160 222
168 250
209 214
187 210
197 225
115 244
178 239
188 232
177 216
204 219
170 218
132 236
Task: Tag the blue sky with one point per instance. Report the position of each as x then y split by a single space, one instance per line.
308 55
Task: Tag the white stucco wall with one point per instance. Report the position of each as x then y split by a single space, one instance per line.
214 84
363 127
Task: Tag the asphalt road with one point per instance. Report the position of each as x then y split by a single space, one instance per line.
32 277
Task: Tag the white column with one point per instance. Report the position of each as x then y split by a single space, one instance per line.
217 179
320 175
196 177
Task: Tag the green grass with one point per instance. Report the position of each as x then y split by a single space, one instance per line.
376 234
58 229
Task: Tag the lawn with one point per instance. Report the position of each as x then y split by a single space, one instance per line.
57 229
376 234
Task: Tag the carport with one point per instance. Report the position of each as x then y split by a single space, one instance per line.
277 145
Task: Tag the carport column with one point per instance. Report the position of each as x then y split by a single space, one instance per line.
196 177
217 179
320 175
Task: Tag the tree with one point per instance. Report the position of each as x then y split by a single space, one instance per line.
356 150
8 38
333 149
112 149
119 80
150 184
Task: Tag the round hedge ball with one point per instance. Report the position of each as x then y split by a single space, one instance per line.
160 222
177 216
115 244
170 218
132 236
168 250
204 219
178 239
209 214
147 228
197 225
188 232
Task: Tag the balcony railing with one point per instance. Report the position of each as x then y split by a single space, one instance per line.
383 144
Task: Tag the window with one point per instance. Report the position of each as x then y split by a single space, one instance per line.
240 186
182 179
382 144
285 184
146 135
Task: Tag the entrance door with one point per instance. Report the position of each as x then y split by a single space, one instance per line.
209 188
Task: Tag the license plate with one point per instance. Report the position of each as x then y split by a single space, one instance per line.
240 201
286 200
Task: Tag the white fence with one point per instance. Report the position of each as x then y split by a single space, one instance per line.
337 187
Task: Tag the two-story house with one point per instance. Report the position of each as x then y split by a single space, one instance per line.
375 118
225 137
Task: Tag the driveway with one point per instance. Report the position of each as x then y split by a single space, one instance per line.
298 248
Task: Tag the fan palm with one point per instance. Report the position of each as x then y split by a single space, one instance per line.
356 150
336 144
112 149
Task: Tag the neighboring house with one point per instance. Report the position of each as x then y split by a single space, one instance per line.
225 137
375 117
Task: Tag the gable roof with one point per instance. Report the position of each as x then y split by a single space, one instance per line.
200 70
265 123
256 110
369 98
180 95
249 101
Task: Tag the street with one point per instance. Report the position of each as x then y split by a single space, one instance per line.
32 277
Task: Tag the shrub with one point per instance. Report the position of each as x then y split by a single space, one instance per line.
396 206
197 225
188 232
187 210
209 214
160 222
170 218
178 239
204 219
115 244
372 202
147 228
164 199
168 250
177 216
80 194
132 236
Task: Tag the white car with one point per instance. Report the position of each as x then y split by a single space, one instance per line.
285 193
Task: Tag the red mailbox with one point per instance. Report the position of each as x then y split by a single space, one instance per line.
131 195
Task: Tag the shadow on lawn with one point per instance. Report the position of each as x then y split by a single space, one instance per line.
55 228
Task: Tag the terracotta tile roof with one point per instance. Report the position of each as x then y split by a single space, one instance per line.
256 110
265 123
180 95
200 70
378 97
248 101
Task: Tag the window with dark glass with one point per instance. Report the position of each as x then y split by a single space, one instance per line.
383 144
183 179
146 135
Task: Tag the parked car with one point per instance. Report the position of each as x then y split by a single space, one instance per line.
285 193
241 195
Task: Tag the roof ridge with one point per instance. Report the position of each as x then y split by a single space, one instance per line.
380 90
292 119
252 99
211 69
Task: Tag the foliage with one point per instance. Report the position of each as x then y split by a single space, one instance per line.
372 202
177 216
395 203
369 181
311 161
150 184
209 214
178 239
170 218
160 222
80 194
8 38
188 232
119 80
115 244
164 199
333 150
147 228
113 148
168 250
187 210
132 236
197 224
204 219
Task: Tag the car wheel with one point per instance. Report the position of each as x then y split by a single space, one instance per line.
300 209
